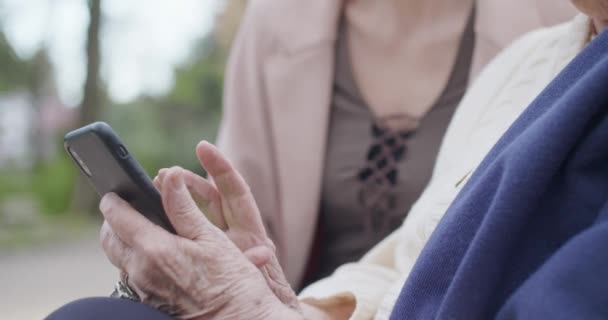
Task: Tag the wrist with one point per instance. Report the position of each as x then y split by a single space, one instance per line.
262 306
286 313
274 309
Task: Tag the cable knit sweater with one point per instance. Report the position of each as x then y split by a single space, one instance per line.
500 94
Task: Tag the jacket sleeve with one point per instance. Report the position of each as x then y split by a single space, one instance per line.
244 135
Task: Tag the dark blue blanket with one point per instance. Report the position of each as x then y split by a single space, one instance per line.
527 238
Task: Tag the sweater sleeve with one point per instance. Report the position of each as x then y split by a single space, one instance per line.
364 283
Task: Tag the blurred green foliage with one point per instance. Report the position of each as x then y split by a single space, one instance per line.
13 182
160 136
15 71
159 131
52 184
201 79
163 131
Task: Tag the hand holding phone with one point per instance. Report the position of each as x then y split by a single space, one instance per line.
109 167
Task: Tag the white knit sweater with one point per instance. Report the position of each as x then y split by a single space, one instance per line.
502 91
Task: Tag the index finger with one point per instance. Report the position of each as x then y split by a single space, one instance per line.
227 180
129 225
242 209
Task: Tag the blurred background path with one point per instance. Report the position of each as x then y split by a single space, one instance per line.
36 281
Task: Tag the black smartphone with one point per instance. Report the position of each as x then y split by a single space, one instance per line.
106 162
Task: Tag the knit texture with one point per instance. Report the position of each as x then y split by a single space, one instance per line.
527 237
495 100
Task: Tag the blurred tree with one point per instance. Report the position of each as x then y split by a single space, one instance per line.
191 111
48 183
15 71
40 85
160 131
168 127
199 83
90 108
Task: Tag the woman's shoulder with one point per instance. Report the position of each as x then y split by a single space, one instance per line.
568 36
291 24
506 87
534 56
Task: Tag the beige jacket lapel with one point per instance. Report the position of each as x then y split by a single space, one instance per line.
298 82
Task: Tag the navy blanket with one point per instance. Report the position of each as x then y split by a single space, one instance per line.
527 238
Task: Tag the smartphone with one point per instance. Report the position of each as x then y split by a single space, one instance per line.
106 162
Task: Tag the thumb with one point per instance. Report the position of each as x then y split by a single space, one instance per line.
182 211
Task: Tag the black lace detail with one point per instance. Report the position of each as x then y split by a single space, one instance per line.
380 175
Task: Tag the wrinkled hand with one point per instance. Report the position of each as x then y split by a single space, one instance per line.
230 205
203 272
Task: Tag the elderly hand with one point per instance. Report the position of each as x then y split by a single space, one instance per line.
202 272
231 207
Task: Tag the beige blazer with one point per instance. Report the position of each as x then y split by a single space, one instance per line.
277 99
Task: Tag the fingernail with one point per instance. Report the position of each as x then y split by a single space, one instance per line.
203 144
106 202
177 180
161 171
